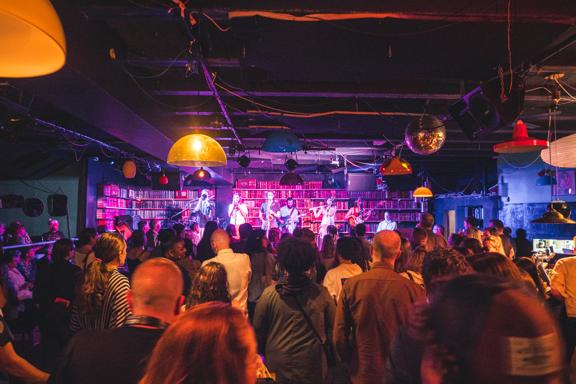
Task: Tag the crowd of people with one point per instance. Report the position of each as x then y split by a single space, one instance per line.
234 305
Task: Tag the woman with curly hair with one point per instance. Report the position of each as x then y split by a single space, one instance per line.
101 301
210 284
210 343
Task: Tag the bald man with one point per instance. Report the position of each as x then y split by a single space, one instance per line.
372 306
119 355
237 267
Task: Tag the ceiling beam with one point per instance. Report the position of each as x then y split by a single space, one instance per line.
333 95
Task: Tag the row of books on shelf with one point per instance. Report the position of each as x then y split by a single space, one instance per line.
255 184
341 217
113 202
380 195
115 190
111 213
296 194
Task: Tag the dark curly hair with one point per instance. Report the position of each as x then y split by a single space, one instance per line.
210 284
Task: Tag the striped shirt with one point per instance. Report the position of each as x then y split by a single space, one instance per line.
114 310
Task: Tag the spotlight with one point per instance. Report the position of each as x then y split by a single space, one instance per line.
244 161
111 162
95 159
201 174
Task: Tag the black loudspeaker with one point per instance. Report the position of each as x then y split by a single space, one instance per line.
486 108
33 207
57 205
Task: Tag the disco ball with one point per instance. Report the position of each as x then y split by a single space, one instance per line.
425 135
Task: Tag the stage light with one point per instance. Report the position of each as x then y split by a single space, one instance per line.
201 175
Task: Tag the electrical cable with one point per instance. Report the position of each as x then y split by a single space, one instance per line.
161 73
215 23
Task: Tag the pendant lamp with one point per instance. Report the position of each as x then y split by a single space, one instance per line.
197 150
291 178
553 216
32 41
396 167
282 142
129 169
423 191
201 175
521 142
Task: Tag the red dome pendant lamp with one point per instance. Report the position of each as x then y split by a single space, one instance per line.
521 142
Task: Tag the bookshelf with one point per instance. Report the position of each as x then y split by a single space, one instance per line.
400 204
117 200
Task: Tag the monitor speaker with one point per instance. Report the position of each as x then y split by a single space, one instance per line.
490 106
57 205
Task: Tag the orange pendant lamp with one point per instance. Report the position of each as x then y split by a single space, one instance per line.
197 150
32 41
396 167
521 142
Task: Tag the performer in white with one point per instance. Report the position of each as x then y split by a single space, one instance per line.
387 224
328 213
237 211
289 216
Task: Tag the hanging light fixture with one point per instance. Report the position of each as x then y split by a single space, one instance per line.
521 142
557 212
201 175
282 142
197 150
163 179
129 169
244 161
32 41
396 167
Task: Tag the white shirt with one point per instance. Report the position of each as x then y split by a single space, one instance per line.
563 280
387 225
328 216
237 266
334 277
237 218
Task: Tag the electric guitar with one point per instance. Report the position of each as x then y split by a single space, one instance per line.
285 221
362 216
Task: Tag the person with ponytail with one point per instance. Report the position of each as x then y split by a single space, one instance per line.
101 301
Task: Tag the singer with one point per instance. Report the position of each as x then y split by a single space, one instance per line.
237 211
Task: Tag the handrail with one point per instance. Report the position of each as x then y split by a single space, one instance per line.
40 243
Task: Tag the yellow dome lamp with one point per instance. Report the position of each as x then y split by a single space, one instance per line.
197 150
424 191
32 41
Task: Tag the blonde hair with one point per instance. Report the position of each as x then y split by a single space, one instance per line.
108 248
493 243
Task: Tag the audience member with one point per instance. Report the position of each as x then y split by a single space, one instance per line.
407 347
204 249
328 252
493 242
237 267
455 239
420 238
119 355
143 226
101 302
563 288
210 343
27 264
244 230
2 233
263 265
371 308
434 241
530 273
53 233
471 245
498 225
194 234
293 319
85 252
18 234
523 245
19 290
347 249
152 234
471 230
411 265
55 292
210 284
496 264
438 230
485 330
137 252
176 251
360 233
273 239
10 362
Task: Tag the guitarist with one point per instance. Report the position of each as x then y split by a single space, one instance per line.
269 213
289 216
355 215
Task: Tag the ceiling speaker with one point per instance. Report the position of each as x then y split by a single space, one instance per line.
486 108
